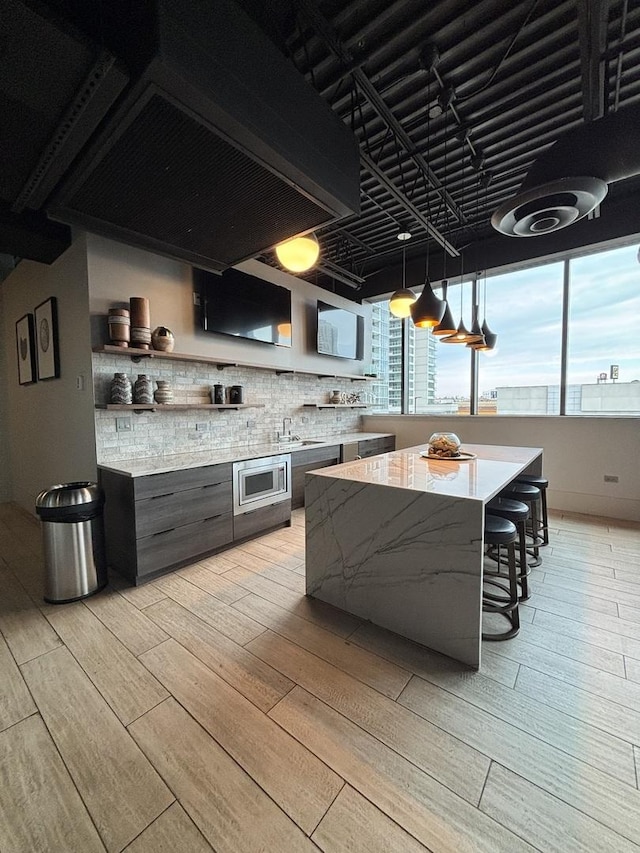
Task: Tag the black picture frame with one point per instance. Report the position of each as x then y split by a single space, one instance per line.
46 323
26 350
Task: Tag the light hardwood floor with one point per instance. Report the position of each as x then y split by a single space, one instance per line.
218 708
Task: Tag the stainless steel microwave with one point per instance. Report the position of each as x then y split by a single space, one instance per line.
261 482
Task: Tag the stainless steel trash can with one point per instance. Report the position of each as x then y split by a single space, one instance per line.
73 533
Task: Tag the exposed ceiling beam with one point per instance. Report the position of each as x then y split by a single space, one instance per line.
593 17
325 31
407 204
334 271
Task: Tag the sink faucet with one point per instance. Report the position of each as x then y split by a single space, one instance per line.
285 435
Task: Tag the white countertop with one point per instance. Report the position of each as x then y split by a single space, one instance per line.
179 461
476 479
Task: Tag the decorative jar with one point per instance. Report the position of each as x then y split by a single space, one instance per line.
164 392
444 445
162 339
143 389
120 391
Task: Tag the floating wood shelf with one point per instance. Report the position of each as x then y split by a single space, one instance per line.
220 363
176 407
335 405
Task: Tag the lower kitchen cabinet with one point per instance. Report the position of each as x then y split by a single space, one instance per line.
309 460
162 521
257 520
374 446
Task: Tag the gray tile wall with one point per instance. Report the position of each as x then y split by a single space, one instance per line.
166 432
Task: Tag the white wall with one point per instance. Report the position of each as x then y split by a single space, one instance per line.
578 452
117 272
50 424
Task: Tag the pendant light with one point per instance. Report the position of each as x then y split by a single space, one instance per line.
489 338
461 334
298 254
476 331
402 300
446 326
427 311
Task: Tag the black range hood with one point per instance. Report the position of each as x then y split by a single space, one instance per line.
218 150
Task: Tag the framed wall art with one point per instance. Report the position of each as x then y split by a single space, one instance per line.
25 342
47 339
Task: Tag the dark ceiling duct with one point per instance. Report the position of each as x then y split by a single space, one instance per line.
217 151
571 178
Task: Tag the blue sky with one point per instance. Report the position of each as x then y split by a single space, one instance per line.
524 308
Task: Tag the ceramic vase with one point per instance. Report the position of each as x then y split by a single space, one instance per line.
119 326
120 390
143 389
335 397
164 392
162 339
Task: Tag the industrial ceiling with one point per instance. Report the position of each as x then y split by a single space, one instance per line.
452 105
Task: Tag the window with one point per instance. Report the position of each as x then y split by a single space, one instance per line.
603 359
522 374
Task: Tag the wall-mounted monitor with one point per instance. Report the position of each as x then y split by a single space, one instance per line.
339 332
244 306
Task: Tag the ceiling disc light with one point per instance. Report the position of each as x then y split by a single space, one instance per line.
550 207
403 235
401 302
298 254
446 326
427 311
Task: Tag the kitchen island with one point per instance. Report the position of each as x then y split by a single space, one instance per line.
397 539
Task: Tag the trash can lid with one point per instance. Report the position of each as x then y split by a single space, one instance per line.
69 494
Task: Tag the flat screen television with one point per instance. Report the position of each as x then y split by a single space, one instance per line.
244 306
339 332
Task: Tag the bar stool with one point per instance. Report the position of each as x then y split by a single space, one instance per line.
543 484
529 495
500 532
518 513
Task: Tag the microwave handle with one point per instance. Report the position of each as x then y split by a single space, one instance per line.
282 473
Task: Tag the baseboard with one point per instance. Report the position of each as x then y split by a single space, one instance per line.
601 505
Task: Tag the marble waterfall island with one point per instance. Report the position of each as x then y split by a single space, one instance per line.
398 540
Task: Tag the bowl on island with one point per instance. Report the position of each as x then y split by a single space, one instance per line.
444 445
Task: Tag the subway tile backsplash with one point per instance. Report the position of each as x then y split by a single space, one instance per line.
166 432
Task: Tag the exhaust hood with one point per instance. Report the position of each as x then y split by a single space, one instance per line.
218 149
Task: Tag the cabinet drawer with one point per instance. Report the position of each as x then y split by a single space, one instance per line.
373 446
316 454
250 523
173 547
177 481
174 510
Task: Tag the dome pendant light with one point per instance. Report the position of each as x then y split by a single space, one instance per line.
446 326
298 254
402 300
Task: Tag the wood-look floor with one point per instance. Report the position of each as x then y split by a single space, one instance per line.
218 708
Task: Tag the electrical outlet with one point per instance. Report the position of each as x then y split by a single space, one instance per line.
304 419
611 478
123 424
80 382
251 424
196 299
202 427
